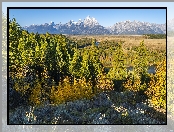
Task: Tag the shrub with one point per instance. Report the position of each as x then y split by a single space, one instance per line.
156 91
104 83
69 92
36 94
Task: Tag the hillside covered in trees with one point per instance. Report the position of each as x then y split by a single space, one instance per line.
71 77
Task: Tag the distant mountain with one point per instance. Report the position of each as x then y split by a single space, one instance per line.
91 26
137 27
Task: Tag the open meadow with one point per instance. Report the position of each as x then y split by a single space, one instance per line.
129 40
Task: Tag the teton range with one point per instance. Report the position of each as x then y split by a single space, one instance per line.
91 26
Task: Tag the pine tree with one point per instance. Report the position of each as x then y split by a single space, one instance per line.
118 70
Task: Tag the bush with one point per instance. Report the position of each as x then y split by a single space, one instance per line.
156 91
133 83
69 92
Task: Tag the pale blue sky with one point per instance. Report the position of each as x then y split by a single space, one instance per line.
105 18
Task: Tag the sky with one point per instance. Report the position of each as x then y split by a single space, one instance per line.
105 17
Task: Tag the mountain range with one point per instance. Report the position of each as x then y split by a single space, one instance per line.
90 26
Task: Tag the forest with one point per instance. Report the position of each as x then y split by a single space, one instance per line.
156 36
60 70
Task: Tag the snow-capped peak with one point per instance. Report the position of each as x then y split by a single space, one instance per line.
90 26
90 21
88 17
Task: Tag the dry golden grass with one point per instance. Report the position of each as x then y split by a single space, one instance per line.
130 40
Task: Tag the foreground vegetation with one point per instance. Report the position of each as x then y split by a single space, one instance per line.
58 70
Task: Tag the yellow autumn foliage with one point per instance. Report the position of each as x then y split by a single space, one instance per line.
36 95
132 84
156 91
104 83
69 92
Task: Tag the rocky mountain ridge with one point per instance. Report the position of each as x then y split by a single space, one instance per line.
90 26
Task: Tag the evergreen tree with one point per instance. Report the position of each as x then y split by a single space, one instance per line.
118 70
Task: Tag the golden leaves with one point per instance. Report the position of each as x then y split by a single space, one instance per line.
157 86
70 92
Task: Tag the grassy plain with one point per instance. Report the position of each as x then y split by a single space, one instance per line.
129 40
